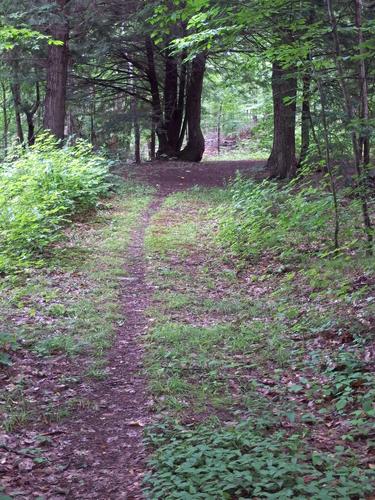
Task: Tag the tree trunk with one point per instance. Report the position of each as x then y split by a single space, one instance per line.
57 76
29 113
219 129
16 93
157 114
137 132
282 161
361 173
305 118
195 146
30 128
5 118
152 143
170 104
364 139
137 141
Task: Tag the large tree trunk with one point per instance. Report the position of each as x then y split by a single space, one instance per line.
282 162
195 146
57 75
170 104
157 114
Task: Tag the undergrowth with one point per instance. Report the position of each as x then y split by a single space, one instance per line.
260 347
68 307
42 188
248 460
290 220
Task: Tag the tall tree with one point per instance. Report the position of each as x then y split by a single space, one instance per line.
194 148
57 73
282 161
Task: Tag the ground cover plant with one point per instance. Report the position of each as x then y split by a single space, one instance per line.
262 368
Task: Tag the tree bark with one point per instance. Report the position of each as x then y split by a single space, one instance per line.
219 117
170 104
16 93
137 132
57 76
195 146
363 83
29 113
157 113
5 117
282 161
152 143
305 118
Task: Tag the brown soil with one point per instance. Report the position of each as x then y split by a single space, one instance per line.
174 176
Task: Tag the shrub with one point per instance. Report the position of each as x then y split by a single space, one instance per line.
41 188
264 216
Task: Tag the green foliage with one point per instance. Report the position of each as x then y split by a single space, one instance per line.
69 306
41 189
11 37
248 461
8 343
281 219
264 216
347 373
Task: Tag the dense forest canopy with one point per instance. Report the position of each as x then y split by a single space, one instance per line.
116 73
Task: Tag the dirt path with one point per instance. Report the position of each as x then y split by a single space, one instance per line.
97 453
101 451
175 176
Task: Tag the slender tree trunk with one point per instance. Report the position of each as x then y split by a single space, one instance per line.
361 173
282 161
57 76
180 120
30 113
219 129
30 128
364 140
170 104
92 117
305 118
329 165
16 93
5 117
137 136
195 146
152 143
137 131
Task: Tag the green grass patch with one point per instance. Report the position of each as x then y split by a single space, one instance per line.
265 361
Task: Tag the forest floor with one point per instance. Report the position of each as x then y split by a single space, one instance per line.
140 321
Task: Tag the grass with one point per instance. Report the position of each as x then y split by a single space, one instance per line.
264 345
68 307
